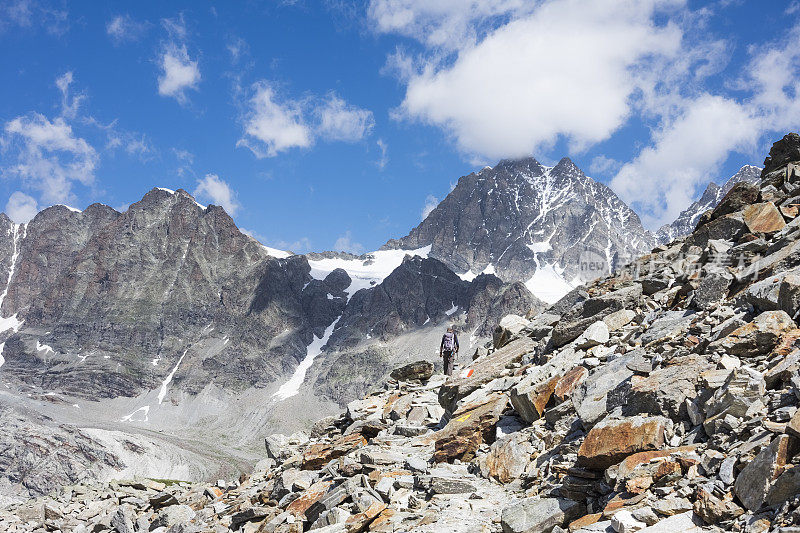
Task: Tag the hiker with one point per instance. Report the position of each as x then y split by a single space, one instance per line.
448 349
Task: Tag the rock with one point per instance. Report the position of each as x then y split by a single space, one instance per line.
450 485
763 218
586 313
743 387
753 483
309 497
507 458
539 515
530 403
421 370
670 325
318 455
569 382
714 510
591 398
665 390
785 487
619 319
172 516
672 505
741 195
624 522
121 522
680 523
359 522
712 289
758 337
594 335
472 425
484 370
611 441
162 499
509 327
789 294
784 151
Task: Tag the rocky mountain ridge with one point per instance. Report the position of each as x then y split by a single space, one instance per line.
661 398
688 218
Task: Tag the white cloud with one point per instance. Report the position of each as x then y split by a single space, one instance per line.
272 126
69 106
345 243
602 165
123 28
179 72
430 204
217 191
384 148
696 135
339 121
663 178
49 156
444 24
527 83
21 208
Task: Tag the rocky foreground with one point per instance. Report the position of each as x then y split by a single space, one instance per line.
662 399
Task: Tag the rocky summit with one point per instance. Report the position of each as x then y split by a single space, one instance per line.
661 398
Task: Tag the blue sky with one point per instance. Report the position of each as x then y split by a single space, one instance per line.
333 124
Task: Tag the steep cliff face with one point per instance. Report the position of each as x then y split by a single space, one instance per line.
550 227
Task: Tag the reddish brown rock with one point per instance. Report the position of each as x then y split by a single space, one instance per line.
507 458
309 497
318 455
359 522
584 521
610 442
469 427
714 510
567 384
757 337
763 218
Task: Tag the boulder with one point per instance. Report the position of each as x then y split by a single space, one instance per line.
619 319
741 195
470 426
421 370
784 151
584 314
594 335
569 382
753 483
789 294
713 509
591 398
743 387
763 218
531 394
318 455
785 487
533 515
758 337
665 390
509 327
507 458
670 325
712 289
611 441
680 523
727 227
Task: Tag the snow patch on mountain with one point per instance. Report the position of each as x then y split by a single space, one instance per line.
365 271
548 283
163 392
292 387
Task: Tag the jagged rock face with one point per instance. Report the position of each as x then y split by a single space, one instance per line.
520 218
689 217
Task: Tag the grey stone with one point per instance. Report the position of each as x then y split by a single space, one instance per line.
533 515
591 399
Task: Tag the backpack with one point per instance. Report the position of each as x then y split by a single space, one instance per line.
449 340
